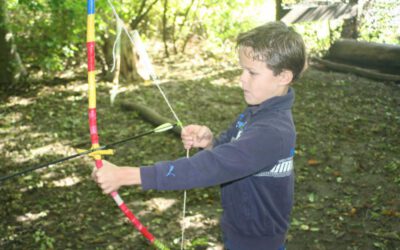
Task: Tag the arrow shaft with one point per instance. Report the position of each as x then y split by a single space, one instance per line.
108 146
47 164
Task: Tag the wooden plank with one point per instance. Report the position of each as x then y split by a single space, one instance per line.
304 13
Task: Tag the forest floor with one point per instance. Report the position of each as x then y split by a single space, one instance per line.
347 161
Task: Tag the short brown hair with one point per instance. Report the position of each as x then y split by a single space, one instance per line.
278 45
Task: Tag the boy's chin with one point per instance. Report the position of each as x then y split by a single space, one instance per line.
251 102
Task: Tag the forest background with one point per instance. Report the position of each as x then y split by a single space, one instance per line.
347 163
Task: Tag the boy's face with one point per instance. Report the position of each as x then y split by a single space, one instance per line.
258 81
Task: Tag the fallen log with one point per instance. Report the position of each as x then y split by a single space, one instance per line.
149 115
369 73
379 56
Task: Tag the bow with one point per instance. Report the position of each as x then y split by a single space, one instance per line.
93 124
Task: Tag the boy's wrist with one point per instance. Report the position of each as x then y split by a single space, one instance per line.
130 176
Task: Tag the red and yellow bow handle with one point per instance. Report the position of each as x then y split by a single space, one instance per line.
93 124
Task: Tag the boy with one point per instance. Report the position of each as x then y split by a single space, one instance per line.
252 161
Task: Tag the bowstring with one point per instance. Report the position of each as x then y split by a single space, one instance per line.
139 46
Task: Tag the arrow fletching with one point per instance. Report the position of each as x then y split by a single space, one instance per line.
164 127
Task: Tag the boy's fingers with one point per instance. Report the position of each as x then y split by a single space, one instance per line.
187 129
107 191
94 174
202 132
187 137
106 188
190 129
188 145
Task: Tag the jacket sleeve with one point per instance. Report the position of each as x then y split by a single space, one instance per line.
225 136
259 147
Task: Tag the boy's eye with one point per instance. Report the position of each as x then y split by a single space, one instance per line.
252 73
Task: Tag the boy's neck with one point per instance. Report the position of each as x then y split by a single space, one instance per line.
283 91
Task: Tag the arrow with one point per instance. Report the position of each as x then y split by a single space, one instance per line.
103 150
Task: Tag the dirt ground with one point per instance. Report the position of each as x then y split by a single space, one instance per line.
347 163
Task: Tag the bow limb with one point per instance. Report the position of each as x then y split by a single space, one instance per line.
93 123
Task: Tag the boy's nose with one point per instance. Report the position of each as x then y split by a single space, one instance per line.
243 79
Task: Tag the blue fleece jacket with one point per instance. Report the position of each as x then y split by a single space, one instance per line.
253 163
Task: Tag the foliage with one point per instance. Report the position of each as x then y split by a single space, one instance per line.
194 20
318 36
56 29
51 29
6 64
381 21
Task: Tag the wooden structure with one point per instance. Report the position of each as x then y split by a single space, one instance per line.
306 13
373 60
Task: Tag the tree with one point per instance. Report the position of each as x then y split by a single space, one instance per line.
6 64
278 10
165 31
350 25
141 13
177 28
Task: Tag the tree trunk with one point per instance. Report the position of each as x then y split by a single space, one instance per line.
21 73
141 14
356 70
184 22
186 41
278 10
350 25
165 31
384 57
173 34
6 65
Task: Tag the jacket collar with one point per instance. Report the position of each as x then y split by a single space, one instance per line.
275 103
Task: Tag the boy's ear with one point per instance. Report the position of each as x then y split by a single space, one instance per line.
285 77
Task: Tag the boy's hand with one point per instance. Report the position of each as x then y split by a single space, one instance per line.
111 177
197 136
